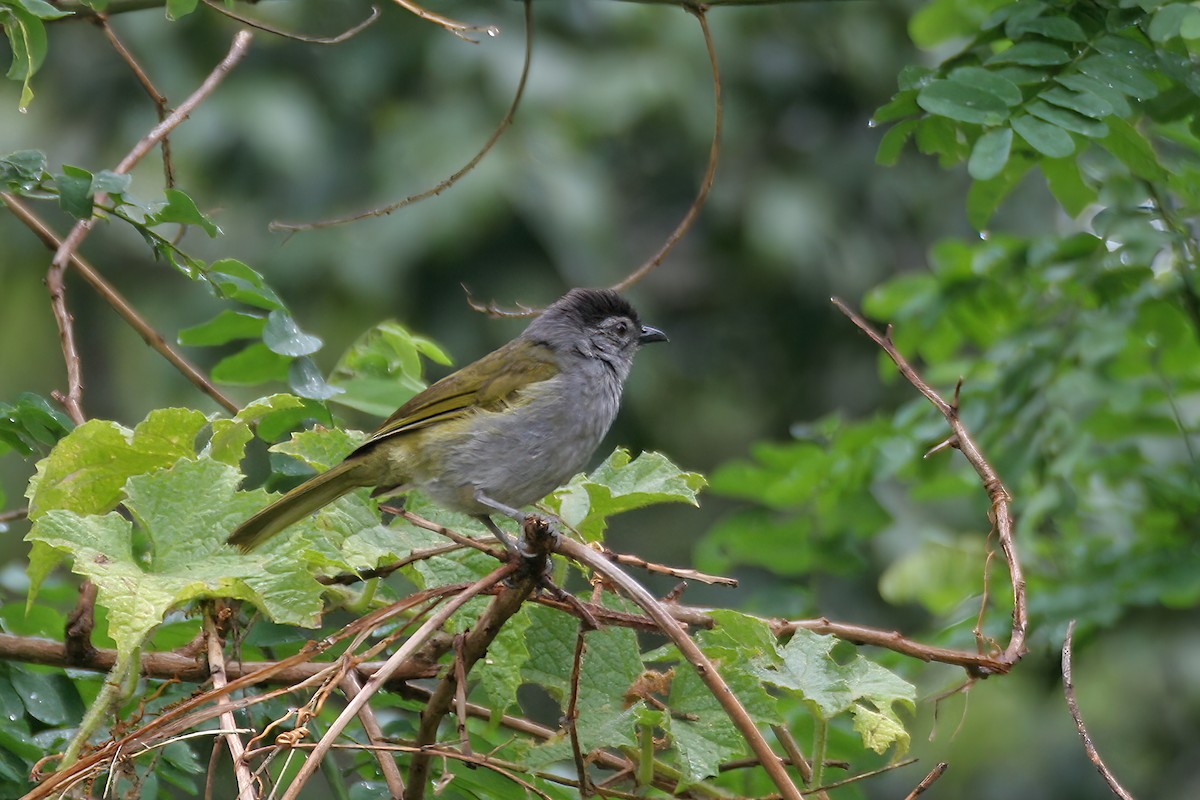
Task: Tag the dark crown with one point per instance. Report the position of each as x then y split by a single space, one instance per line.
592 306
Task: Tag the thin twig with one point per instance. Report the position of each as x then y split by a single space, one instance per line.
692 653
790 746
397 660
156 97
1073 704
344 578
927 781
446 183
351 686
862 776
998 494
216 667
459 29
572 715
710 171
14 514
345 35
630 560
119 303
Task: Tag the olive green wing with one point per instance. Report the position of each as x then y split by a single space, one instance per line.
492 382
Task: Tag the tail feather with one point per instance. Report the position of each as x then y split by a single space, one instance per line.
297 504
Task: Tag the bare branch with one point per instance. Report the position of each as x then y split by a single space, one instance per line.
394 663
216 667
1089 747
694 655
998 494
120 304
459 29
351 686
927 781
345 35
710 171
445 184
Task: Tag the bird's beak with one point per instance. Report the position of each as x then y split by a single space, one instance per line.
649 335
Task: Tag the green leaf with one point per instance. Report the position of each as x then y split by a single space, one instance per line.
702 733
988 81
1064 29
990 153
1127 144
306 380
383 368
32 424
43 10
939 575
51 699
808 668
500 672
23 168
1047 139
621 484
984 197
1032 53
284 336
962 102
112 183
902 105
225 327
1169 20
1098 89
892 143
321 448
27 38
75 191
237 281
1086 103
1067 120
177 9
1067 184
181 209
253 365
1120 74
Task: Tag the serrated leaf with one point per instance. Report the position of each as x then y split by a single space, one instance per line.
284 336
499 672
990 154
322 448
880 731
181 209
707 741
1044 137
807 667
988 81
75 191
225 327
621 484
964 103
252 365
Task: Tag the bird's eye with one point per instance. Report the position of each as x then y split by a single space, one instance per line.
621 327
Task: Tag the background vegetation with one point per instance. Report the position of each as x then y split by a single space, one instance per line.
1029 228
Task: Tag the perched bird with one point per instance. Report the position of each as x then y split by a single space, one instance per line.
498 434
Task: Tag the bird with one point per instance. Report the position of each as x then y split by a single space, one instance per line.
497 435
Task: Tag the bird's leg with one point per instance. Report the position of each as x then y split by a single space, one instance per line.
514 514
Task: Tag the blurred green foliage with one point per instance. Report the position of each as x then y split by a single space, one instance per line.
1065 132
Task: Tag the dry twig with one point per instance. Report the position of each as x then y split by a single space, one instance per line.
446 183
1001 500
345 35
710 171
927 781
216 667
1073 704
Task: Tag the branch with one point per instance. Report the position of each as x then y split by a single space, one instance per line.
505 122
1001 500
390 667
351 686
119 304
474 647
704 667
710 171
349 33
216 667
1089 747
927 781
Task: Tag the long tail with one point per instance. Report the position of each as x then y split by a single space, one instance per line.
297 504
